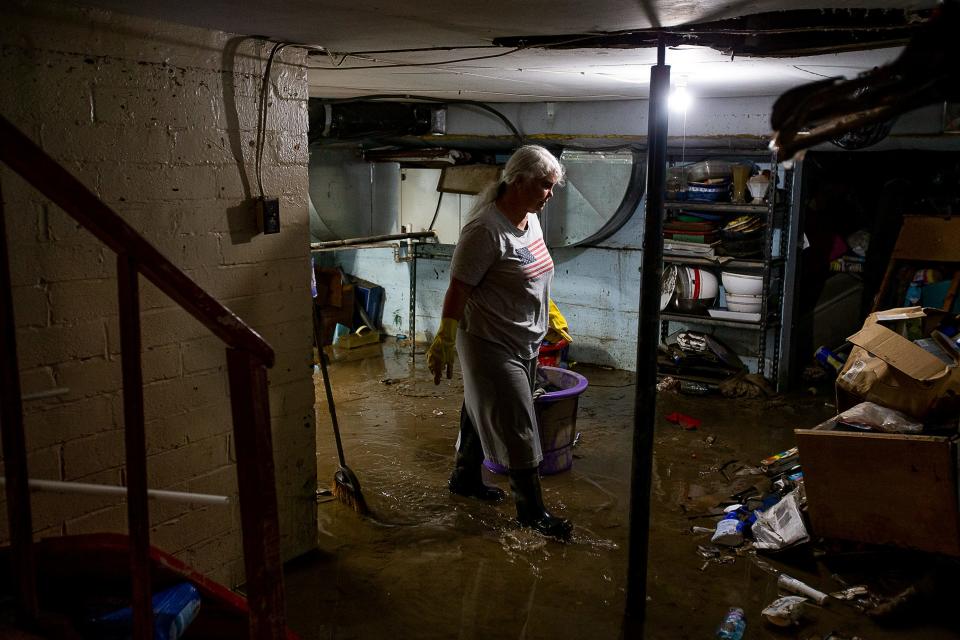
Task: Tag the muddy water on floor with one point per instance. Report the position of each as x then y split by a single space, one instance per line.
429 565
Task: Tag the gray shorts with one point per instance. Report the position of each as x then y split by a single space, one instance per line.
498 395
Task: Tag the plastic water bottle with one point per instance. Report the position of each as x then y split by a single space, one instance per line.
733 625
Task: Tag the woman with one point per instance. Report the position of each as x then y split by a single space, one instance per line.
498 297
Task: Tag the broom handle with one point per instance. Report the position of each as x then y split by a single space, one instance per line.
329 390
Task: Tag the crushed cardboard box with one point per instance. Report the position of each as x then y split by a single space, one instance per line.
888 369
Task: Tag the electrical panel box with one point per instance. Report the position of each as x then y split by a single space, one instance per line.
268 215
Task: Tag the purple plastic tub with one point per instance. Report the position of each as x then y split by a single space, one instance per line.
556 420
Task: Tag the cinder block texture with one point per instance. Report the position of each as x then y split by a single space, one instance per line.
160 122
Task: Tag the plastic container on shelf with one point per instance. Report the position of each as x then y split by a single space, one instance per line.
706 192
710 170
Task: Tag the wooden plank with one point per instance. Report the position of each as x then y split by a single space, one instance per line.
468 179
886 489
928 238
14 446
258 495
138 514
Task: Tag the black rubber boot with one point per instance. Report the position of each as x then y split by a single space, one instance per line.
531 512
467 477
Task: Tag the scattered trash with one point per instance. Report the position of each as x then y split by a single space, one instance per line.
851 593
707 551
784 611
868 416
710 440
729 531
722 469
437 412
386 381
779 459
692 388
696 529
746 385
687 422
733 625
796 586
781 525
765 566
831 362
748 471
668 384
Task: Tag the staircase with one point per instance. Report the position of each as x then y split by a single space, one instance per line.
248 358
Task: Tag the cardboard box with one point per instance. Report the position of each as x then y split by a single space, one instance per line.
879 488
889 369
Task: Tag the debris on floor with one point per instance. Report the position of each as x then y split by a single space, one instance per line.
372 580
687 422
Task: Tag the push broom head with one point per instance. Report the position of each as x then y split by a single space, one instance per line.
346 489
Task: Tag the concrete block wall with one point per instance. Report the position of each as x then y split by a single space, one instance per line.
159 120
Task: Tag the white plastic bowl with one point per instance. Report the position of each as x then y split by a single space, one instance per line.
748 307
741 298
742 283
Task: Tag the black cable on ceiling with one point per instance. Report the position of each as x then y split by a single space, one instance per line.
411 64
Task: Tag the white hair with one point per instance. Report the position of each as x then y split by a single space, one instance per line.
529 161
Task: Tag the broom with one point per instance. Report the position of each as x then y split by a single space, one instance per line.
346 485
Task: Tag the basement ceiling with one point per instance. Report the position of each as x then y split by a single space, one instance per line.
499 51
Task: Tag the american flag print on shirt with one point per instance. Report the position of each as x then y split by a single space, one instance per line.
535 259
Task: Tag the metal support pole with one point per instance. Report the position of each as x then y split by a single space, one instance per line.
413 303
645 407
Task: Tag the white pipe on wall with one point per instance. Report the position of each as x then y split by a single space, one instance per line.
86 488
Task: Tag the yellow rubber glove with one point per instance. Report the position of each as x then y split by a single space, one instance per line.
440 353
558 325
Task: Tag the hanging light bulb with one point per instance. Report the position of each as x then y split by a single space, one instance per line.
680 99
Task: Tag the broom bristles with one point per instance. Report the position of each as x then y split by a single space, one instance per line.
346 489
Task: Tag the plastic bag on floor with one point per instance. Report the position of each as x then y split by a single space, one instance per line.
784 611
868 416
781 525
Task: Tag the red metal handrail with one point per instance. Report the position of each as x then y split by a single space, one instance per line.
248 357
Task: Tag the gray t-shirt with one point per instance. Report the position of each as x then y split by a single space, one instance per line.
511 271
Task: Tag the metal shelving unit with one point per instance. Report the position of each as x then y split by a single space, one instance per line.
772 265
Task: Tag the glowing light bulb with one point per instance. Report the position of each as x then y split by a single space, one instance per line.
680 99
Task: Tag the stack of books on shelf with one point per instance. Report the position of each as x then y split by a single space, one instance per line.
690 249
695 232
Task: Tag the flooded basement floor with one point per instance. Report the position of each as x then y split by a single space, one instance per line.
429 565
